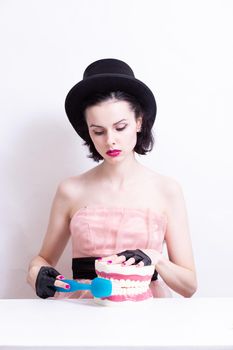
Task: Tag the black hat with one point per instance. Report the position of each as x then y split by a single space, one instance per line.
107 75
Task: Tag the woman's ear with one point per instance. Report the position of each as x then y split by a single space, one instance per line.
139 124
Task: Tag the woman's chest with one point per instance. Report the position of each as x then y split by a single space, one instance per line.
143 195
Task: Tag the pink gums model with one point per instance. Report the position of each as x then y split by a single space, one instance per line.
130 283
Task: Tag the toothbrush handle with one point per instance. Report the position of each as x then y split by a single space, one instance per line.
74 285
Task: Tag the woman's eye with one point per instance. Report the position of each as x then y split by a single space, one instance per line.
101 132
120 129
98 132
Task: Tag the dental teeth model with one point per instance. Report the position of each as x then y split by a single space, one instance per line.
129 283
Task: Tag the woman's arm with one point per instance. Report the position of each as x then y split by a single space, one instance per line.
56 237
179 271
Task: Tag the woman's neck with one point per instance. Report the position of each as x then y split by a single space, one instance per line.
119 175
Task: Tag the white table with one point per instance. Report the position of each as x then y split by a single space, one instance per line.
176 323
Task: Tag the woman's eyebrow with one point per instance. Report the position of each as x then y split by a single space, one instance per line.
99 126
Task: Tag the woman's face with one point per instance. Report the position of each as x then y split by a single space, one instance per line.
112 125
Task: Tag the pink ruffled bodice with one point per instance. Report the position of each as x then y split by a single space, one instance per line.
102 231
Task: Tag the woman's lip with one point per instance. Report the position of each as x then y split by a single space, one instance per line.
113 153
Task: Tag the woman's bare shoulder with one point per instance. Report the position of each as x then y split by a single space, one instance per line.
68 185
171 186
167 185
172 194
73 186
167 191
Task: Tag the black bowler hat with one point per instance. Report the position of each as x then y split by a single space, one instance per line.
107 75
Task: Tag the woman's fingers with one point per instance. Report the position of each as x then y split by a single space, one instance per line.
108 258
120 259
113 259
60 277
128 262
58 283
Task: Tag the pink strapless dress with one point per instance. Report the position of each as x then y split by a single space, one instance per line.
102 231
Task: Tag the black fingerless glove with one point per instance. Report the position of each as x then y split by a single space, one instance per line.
138 255
45 282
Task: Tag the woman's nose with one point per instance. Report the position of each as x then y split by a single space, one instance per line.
110 138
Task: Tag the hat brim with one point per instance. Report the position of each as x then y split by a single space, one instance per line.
103 83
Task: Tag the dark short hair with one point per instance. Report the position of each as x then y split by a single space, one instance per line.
145 139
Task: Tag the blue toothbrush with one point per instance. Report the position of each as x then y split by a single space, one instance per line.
99 287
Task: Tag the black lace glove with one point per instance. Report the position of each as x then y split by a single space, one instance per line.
45 282
138 255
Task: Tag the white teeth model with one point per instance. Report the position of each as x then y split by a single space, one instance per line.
129 283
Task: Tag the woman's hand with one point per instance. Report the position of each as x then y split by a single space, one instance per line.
46 280
138 257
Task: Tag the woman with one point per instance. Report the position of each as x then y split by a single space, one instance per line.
119 207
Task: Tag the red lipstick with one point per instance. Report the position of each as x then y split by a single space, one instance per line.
113 153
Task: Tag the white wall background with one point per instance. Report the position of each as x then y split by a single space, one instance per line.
183 50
